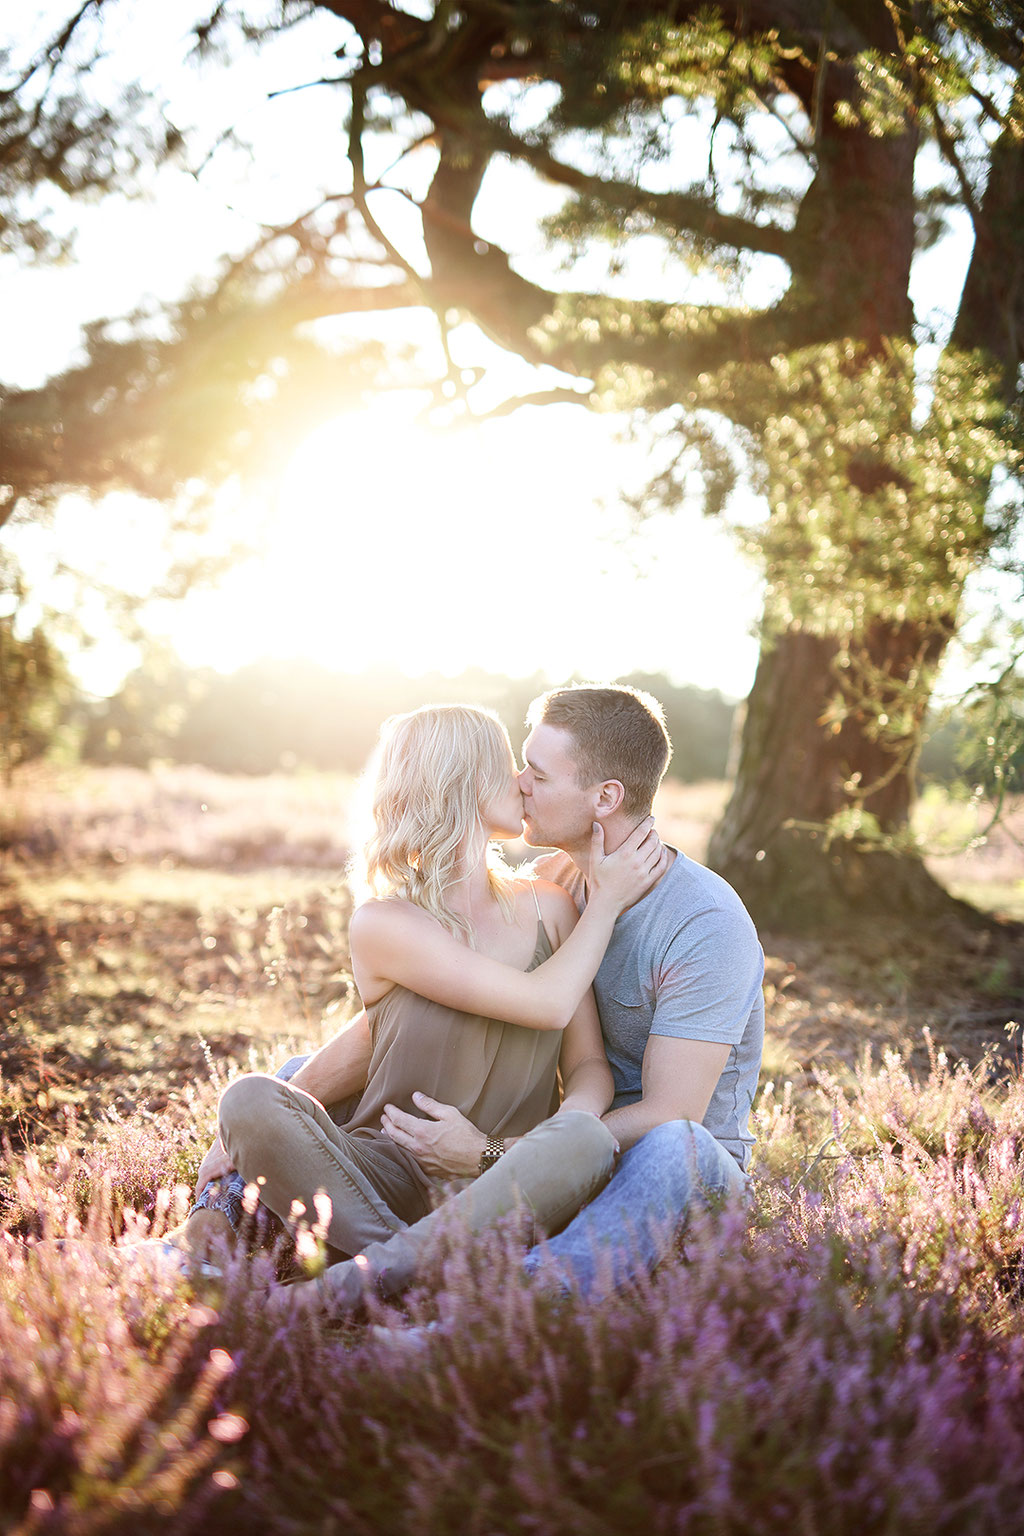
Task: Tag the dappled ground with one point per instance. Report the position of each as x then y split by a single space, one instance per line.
157 930
116 996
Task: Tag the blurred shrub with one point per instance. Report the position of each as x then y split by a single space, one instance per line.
285 714
35 691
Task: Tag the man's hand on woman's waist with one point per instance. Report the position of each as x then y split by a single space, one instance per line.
445 1144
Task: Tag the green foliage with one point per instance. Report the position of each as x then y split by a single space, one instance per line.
874 513
883 99
169 405
995 723
55 137
702 60
980 742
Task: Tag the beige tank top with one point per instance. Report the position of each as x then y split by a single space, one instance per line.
501 1076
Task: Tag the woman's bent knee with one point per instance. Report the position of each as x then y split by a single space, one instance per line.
245 1106
584 1138
561 1164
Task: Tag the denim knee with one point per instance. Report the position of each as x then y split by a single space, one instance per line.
689 1145
287 1070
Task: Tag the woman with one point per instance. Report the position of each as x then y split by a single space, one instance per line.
476 986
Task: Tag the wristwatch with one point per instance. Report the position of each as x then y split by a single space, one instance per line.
489 1156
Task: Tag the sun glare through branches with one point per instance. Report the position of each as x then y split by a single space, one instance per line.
492 546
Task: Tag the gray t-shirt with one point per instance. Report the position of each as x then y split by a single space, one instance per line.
685 962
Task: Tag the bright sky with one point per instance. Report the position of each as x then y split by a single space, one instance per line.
504 546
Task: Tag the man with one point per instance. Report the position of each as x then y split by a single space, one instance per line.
679 997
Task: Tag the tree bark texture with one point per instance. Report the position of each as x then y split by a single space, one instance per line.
808 752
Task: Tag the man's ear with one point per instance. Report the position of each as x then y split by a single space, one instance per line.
610 796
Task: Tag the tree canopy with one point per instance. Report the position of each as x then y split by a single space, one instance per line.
763 177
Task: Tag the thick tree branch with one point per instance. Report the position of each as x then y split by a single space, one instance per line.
376 21
676 210
359 188
322 299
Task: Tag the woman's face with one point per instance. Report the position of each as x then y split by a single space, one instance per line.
502 813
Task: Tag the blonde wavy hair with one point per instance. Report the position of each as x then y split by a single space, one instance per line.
431 772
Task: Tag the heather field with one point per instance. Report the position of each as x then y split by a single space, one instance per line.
846 1357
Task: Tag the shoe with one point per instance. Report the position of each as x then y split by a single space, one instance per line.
156 1254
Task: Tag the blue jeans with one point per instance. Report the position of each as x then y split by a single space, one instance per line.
632 1224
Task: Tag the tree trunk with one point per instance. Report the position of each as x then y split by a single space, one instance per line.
809 752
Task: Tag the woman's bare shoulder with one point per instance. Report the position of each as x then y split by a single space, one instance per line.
386 915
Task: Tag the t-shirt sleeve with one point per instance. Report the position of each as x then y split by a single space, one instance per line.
709 979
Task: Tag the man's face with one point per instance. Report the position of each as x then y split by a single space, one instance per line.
557 812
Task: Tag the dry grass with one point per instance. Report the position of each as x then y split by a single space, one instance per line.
176 816
979 862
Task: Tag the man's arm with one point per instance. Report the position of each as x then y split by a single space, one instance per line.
586 1076
707 981
678 1078
339 1068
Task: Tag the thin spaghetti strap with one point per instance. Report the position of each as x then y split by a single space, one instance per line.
552 944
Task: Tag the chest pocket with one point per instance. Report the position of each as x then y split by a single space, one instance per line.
626 994
627 1013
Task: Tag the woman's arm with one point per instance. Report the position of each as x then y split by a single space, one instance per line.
586 1076
396 942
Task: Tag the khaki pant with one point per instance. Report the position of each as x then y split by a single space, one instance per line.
548 1176
283 1139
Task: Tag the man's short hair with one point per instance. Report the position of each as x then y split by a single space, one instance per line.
618 733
